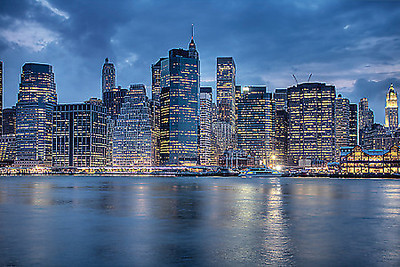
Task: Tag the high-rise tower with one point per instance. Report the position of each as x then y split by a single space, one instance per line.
180 80
391 110
34 115
342 120
365 119
226 76
108 76
1 96
205 127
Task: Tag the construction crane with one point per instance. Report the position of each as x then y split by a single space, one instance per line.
309 77
295 79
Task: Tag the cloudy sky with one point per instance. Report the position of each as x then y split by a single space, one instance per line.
354 45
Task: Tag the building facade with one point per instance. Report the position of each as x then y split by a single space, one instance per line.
280 98
353 125
80 135
391 110
132 134
113 99
9 120
180 80
311 109
107 76
281 137
255 125
365 118
1 96
34 115
205 126
342 123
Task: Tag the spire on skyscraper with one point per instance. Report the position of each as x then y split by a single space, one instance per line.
192 46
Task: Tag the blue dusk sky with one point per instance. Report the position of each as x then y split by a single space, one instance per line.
354 45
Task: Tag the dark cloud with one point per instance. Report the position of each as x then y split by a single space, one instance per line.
346 43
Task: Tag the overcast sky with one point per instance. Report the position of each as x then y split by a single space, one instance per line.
354 45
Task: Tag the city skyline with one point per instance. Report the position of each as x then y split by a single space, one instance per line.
352 45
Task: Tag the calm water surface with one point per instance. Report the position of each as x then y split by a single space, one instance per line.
141 221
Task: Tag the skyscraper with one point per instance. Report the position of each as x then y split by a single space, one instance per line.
132 134
226 76
1 96
280 98
342 126
255 123
180 80
353 125
281 137
156 111
108 76
311 109
365 119
34 115
113 99
391 110
80 135
205 127
9 120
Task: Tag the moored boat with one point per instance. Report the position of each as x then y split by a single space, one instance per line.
259 172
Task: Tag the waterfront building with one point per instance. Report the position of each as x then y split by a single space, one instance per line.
107 77
281 137
9 120
311 109
156 111
1 96
113 99
205 126
280 98
342 123
356 160
34 115
180 81
391 110
80 135
7 149
353 125
255 123
365 118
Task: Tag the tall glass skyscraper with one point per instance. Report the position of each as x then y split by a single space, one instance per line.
365 119
108 76
9 120
132 133
342 123
226 85
311 109
391 110
353 125
255 125
179 102
34 115
205 127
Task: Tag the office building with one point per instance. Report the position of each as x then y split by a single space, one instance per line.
80 135
132 133
391 110
281 137
255 123
180 80
9 120
7 149
205 126
342 123
34 115
107 77
113 99
353 125
226 87
311 109
280 98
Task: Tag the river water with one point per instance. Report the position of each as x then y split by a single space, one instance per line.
142 221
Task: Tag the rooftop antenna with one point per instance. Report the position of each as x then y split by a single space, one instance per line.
295 79
192 31
309 77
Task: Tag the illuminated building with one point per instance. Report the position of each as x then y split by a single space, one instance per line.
113 99
205 127
156 111
222 134
255 123
365 118
280 98
373 136
132 133
9 120
34 116
108 77
7 149
366 161
391 110
80 135
281 137
311 109
180 80
342 120
353 125
1 96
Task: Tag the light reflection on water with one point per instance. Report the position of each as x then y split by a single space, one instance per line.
198 221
